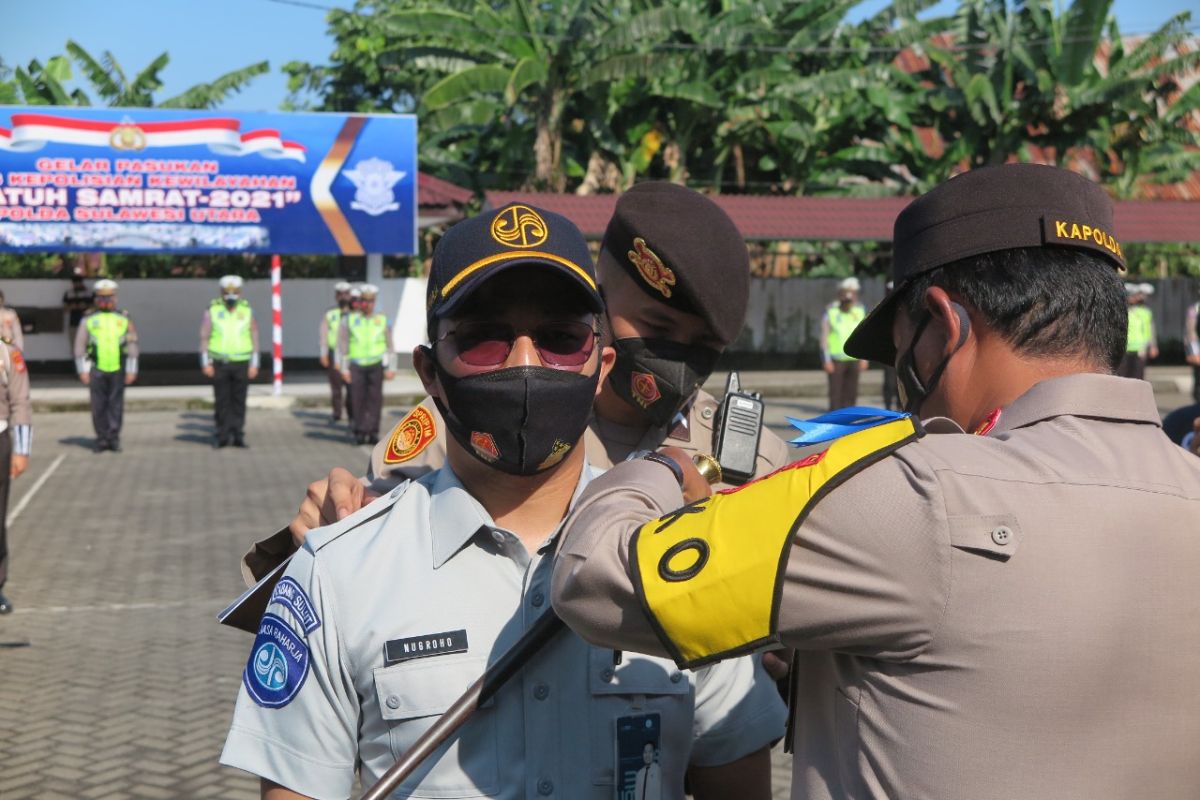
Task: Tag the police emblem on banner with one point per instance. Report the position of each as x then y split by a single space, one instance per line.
278 665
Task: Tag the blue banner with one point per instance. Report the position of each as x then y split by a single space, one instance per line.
170 181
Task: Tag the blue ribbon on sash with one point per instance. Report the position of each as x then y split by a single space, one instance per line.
837 424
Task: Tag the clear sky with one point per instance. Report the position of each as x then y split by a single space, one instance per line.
207 38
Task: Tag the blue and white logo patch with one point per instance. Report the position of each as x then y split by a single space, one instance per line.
289 594
278 664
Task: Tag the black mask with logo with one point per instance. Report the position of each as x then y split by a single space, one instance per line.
658 377
521 420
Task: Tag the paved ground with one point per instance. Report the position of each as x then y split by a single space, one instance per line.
115 681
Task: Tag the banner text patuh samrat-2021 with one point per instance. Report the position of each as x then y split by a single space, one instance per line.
158 180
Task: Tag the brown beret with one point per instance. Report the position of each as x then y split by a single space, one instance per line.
984 211
683 251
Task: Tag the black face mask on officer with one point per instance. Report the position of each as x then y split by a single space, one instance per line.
658 376
521 420
230 299
912 390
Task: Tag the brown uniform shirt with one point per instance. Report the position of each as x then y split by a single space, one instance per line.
1002 616
10 328
16 412
417 445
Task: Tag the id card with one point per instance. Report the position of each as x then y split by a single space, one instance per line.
639 769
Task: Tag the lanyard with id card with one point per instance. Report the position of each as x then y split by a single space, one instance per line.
639 768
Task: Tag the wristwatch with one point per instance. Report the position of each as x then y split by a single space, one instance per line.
659 458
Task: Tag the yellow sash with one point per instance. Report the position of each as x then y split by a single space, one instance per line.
709 575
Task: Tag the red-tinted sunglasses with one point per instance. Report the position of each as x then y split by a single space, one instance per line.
488 344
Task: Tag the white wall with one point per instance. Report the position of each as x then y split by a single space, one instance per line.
167 312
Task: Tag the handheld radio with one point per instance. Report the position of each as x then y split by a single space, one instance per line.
736 434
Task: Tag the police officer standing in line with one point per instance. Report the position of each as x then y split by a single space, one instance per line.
1141 344
364 357
77 301
999 615
229 356
676 279
106 358
367 641
839 321
1191 346
331 321
10 326
16 443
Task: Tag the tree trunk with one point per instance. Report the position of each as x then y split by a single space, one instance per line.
547 144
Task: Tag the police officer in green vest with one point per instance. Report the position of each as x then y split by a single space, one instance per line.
840 320
1142 342
229 355
364 356
106 358
331 321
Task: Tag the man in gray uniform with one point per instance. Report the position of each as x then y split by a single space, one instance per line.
16 442
1010 614
384 618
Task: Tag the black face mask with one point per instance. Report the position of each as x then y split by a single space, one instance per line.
658 376
230 300
522 420
912 390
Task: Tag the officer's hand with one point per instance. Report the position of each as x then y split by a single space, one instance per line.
252 373
346 376
828 367
19 465
1153 351
389 374
328 500
209 371
1194 360
324 362
777 663
695 487
862 365
130 377
86 378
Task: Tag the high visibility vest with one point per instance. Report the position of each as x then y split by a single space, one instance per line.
1141 327
841 325
333 318
106 339
230 339
368 338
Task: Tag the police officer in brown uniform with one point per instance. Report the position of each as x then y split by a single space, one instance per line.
675 275
16 441
1009 614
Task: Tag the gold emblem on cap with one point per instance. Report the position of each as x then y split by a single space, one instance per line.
651 267
519 226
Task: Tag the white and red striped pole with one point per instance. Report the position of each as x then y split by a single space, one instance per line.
277 322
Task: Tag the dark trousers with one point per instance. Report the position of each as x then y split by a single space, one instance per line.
891 397
107 390
843 384
230 383
339 392
5 464
366 398
1196 382
1132 366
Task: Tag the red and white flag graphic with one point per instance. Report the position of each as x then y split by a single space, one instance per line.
221 135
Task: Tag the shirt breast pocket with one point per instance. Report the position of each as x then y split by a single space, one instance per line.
640 684
412 696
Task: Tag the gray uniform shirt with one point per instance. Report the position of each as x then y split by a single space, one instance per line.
988 617
420 564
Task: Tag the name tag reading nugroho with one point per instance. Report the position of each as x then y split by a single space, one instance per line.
431 644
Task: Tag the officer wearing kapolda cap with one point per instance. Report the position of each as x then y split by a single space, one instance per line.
999 615
229 355
380 622
106 358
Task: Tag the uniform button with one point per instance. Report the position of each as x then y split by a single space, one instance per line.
706 413
399 490
537 599
393 702
676 677
498 537
541 691
1001 535
545 787
606 675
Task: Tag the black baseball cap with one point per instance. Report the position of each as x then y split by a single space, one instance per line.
683 250
984 211
516 235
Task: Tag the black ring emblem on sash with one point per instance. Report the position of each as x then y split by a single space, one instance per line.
675 575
